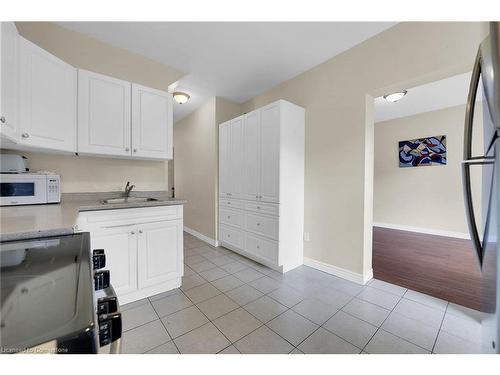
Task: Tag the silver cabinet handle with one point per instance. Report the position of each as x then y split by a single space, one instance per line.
258 207
229 217
25 135
258 224
135 150
2 120
127 149
132 232
258 247
228 235
140 230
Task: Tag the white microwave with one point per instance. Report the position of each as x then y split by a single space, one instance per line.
29 188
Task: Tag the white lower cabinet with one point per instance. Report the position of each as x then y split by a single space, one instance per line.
261 247
251 228
143 247
120 246
231 236
159 257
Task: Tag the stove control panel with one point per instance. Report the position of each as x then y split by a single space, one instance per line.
101 280
110 328
98 259
107 305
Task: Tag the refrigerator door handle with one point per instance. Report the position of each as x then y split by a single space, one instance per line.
470 160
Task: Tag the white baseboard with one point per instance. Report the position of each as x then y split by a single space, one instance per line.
202 237
436 232
338 271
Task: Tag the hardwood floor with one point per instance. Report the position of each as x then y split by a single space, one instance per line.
442 267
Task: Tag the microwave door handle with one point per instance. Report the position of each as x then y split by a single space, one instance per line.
469 160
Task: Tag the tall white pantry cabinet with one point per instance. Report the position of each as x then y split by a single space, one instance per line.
261 185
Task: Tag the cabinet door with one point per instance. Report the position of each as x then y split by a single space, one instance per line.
224 160
47 99
8 81
104 124
160 252
269 153
152 123
120 247
251 156
236 158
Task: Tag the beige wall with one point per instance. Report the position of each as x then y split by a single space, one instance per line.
423 197
80 174
334 94
196 163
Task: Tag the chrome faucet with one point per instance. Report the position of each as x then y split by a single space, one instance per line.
128 189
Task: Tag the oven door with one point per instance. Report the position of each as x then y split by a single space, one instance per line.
17 189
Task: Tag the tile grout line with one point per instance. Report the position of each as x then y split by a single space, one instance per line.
439 330
166 330
209 320
321 326
402 338
380 327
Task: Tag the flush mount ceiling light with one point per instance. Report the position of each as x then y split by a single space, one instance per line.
181 97
395 96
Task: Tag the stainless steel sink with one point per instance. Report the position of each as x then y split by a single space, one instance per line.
128 200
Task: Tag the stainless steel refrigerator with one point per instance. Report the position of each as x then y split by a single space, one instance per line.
483 213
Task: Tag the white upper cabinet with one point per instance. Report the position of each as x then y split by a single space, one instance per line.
48 104
231 158
8 81
47 99
251 156
122 119
224 161
104 115
236 157
152 128
269 153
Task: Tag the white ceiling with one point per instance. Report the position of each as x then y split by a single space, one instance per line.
448 92
236 61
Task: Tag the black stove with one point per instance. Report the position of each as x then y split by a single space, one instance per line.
54 298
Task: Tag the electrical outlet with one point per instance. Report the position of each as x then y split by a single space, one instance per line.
306 236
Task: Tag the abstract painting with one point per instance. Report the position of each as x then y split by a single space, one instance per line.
423 152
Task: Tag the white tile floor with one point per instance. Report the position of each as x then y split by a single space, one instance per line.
230 304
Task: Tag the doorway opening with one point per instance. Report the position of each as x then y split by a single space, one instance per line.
420 235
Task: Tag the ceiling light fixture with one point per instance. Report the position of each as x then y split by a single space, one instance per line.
181 97
395 96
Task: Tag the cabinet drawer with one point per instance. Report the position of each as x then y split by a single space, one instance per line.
231 203
265 208
261 247
231 236
264 225
232 217
128 216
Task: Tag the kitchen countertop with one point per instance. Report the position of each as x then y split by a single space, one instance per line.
45 220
